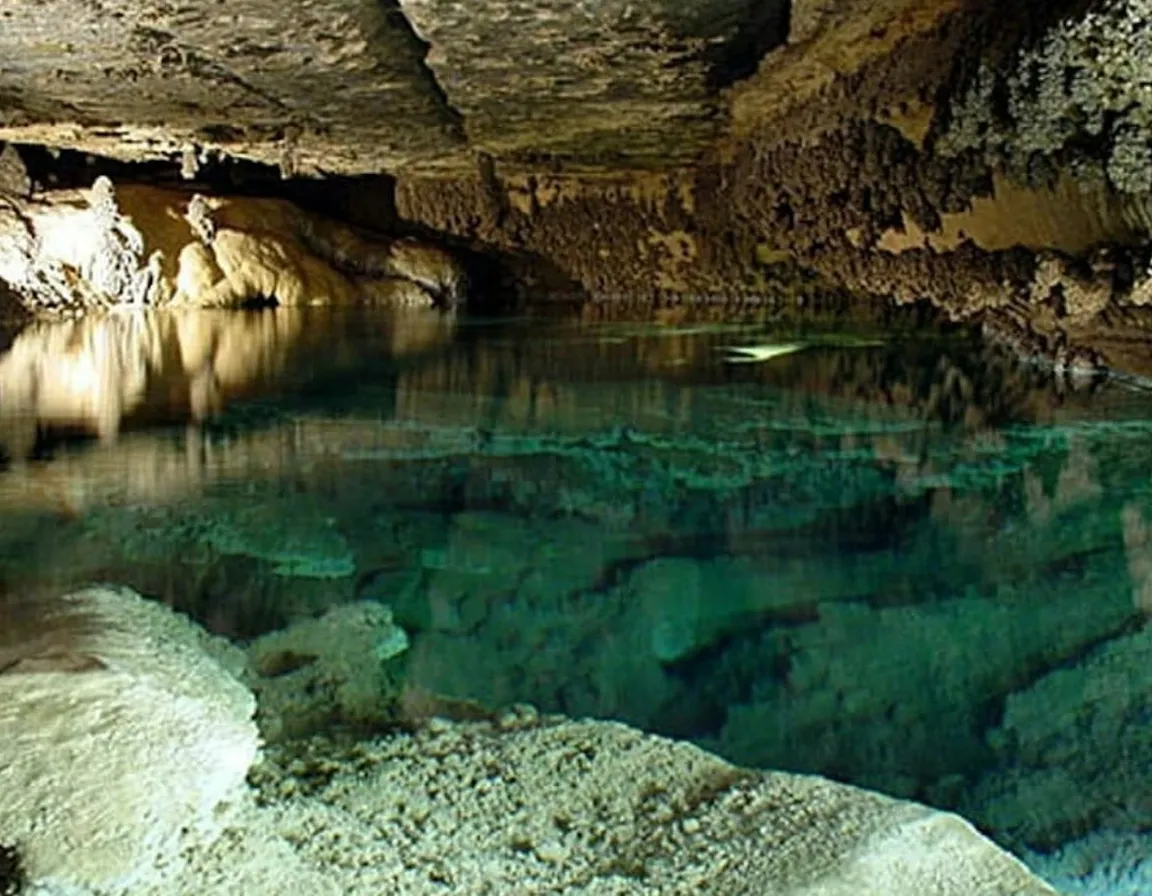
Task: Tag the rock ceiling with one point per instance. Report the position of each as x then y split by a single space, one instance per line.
354 86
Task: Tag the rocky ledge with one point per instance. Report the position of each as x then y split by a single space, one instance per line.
127 734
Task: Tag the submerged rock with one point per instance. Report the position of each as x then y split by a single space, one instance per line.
326 670
1105 863
1074 749
896 698
292 538
122 736
295 544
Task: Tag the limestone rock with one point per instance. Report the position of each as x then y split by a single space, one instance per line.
120 737
578 79
1087 77
581 807
874 695
14 177
148 247
1101 864
351 87
1074 750
294 541
237 80
331 669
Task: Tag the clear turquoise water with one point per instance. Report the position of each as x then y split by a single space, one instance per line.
897 560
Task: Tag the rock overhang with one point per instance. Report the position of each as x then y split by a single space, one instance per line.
359 86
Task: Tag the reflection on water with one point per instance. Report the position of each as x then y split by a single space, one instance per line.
95 374
903 562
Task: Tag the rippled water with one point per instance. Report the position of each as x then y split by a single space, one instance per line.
899 560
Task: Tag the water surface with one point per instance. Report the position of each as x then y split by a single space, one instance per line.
897 559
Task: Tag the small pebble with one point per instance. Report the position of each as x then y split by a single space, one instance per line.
528 713
552 852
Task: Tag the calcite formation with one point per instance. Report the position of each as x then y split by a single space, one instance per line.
341 86
127 736
1061 784
122 737
525 805
724 154
333 670
141 246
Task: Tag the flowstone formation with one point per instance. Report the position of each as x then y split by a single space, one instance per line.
591 807
125 736
144 247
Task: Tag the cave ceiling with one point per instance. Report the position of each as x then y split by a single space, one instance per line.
358 86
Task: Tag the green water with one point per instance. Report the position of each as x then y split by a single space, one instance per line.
896 559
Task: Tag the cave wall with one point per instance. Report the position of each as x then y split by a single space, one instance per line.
996 167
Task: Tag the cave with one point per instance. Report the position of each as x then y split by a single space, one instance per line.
724 159
770 376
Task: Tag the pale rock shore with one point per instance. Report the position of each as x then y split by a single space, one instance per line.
130 764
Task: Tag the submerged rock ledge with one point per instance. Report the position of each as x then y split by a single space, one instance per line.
519 804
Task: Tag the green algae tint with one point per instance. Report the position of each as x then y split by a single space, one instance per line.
895 559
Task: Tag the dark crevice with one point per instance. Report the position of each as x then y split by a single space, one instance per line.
387 14
991 715
13 879
763 27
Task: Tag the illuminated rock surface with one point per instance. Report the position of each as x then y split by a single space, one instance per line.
576 806
139 246
122 738
893 562
721 155
125 740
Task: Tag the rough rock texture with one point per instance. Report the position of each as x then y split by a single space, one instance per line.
869 154
346 86
611 82
155 737
141 246
1101 864
299 91
901 149
331 670
1077 97
579 807
1056 782
121 737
